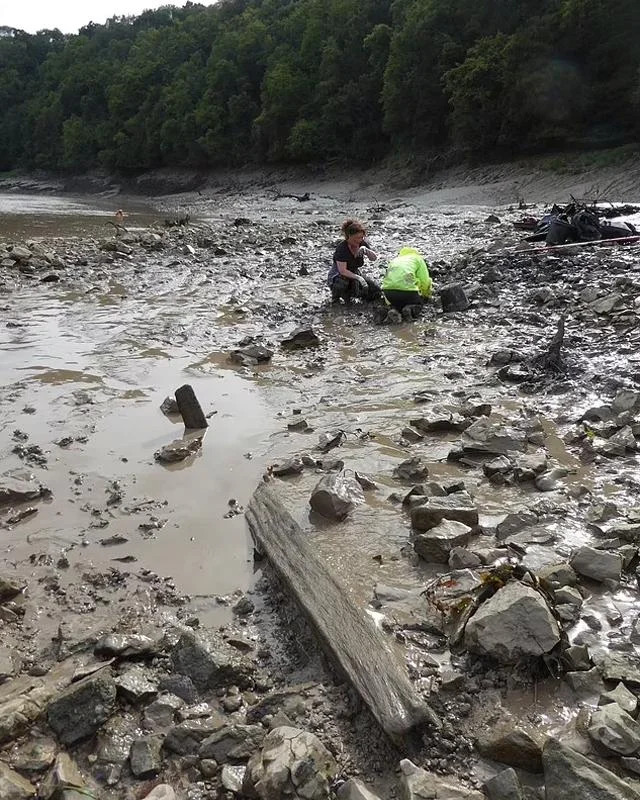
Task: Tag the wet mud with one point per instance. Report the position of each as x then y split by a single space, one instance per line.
122 541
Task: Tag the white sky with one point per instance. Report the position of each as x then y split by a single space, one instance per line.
70 15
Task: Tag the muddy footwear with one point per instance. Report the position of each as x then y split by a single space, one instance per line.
380 315
407 314
394 317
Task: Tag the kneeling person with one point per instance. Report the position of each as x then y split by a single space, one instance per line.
407 283
344 277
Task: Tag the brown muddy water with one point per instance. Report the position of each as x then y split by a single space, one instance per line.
93 358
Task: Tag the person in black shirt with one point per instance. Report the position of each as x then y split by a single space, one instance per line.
344 279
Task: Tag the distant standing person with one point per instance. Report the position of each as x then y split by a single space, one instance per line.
120 215
344 279
407 283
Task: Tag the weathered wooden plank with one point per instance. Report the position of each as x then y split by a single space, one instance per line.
347 633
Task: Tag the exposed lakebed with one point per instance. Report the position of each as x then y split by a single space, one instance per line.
89 354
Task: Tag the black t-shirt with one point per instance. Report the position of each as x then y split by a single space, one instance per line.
342 253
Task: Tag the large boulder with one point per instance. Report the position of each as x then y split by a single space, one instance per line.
515 623
418 784
569 774
457 507
436 544
292 764
83 707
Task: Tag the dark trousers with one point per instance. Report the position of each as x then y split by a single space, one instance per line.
347 289
399 299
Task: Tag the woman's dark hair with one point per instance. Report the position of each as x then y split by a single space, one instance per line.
350 227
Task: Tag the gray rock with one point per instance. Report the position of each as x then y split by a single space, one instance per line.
528 467
354 789
181 686
418 784
615 730
169 406
250 355
626 400
135 687
504 786
453 298
568 595
516 622
461 558
18 490
81 709
586 683
146 756
457 507
232 743
178 450
34 756
127 645
576 658
62 780
113 745
620 667
209 663
161 792
623 697
515 522
13 786
605 305
413 469
289 701
564 769
334 496
436 544
439 421
7 664
557 575
292 763
185 738
292 466
510 742
486 437
232 777
300 338
597 564
497 467
631 764
549 481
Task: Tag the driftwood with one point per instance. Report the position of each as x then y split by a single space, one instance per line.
120 229
301 198
345 631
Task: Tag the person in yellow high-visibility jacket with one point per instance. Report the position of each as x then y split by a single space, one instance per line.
407 281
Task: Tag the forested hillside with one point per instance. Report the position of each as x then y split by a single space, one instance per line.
255 81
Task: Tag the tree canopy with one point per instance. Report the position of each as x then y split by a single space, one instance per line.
350 81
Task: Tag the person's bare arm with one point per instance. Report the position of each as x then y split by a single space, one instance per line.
345 271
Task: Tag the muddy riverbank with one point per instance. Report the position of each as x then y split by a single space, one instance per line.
99 328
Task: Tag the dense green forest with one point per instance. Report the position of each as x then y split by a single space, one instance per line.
348 81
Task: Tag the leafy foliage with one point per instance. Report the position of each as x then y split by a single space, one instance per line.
247 81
